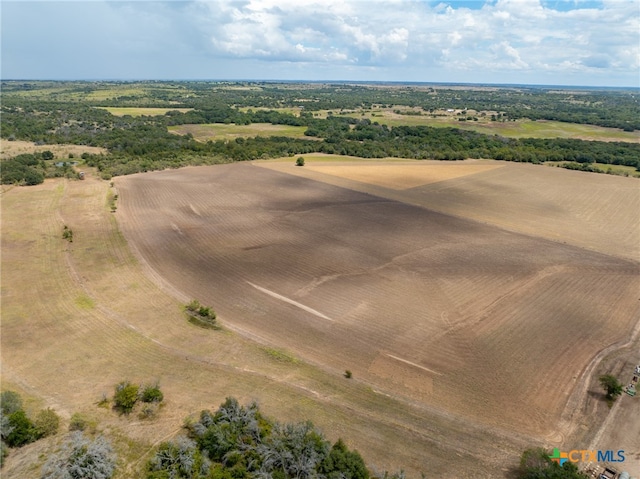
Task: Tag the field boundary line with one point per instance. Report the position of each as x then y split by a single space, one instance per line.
291 301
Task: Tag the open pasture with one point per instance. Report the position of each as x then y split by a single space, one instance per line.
9 149
222 131
138 111
457 310
509 129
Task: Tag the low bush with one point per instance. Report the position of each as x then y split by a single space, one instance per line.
152 394
201 315
46 422
125 397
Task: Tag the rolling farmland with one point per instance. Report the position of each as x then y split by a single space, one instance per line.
469 294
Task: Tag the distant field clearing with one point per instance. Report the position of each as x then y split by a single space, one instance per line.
135 111
9 149
222 131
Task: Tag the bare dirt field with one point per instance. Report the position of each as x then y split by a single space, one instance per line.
480 321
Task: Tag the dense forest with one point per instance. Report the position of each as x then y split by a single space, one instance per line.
73 113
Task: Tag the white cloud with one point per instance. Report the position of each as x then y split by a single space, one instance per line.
558 40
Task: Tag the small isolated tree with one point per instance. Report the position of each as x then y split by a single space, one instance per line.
125 397
612 386
46 422
152 394
67 233
81 457
300 161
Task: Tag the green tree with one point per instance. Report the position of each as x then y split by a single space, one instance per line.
611 385
125 397
300 161
342 463
152 394
23 430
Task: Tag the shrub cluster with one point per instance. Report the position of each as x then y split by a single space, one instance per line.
127 396
201 315
237 442
17 428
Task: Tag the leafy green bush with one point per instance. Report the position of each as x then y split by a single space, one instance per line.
67 233
125 397
341 463
46 422
201 315
23 431
152 394
79 423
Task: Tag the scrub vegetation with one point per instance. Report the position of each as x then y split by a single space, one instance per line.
272 120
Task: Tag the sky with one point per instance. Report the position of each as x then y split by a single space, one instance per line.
547 42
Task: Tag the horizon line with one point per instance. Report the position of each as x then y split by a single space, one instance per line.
357 82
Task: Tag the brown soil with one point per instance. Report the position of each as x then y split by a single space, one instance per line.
484 323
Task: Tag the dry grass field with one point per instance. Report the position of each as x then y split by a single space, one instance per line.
138 111
523 128
472 301
222 131
9 149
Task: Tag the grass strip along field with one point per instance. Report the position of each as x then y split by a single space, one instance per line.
79 317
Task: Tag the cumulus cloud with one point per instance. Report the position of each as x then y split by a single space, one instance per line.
519 34
383 39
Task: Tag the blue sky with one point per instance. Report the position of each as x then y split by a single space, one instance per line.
559 42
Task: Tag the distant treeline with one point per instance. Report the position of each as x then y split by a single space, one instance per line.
137 144
616 108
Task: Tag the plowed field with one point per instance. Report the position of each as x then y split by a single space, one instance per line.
484 293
